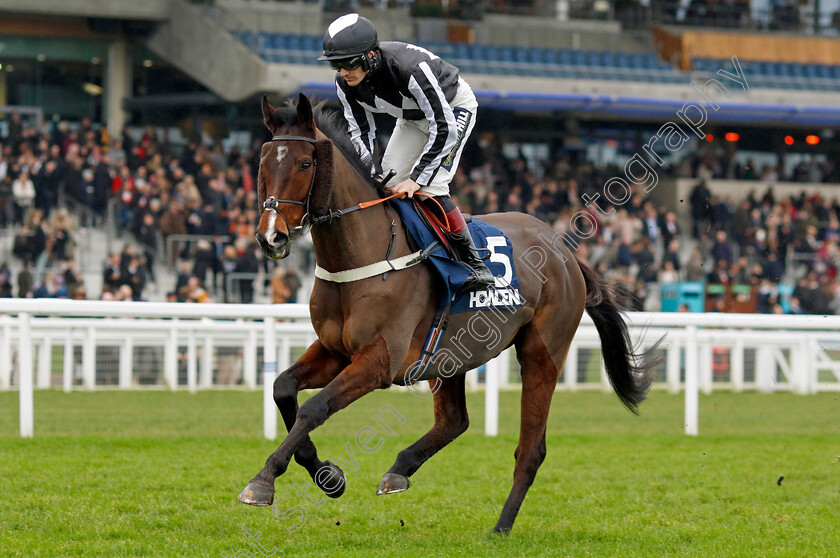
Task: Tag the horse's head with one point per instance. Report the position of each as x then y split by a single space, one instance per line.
294 182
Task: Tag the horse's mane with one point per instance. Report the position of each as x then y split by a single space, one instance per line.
332 125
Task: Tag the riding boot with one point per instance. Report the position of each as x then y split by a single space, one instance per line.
481 278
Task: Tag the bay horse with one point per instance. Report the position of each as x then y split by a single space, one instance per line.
371 330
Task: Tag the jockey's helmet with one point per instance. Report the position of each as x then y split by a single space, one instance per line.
348 41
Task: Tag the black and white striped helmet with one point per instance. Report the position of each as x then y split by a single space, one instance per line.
349 36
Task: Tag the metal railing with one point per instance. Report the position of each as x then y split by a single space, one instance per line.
764 352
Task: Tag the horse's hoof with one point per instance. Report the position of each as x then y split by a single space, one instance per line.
393 483
257 495
332 485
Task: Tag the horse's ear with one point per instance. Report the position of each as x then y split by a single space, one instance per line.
267 111
304 112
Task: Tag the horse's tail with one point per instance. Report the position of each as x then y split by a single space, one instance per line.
629 372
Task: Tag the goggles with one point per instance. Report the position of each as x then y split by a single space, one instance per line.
347 63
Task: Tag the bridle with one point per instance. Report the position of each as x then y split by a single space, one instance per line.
271 202
308 220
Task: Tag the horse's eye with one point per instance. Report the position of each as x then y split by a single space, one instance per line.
305 164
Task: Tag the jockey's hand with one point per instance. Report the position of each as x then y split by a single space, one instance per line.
407 186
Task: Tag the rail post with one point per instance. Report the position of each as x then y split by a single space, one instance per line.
269 373
25 376
692 404
69 361
491 397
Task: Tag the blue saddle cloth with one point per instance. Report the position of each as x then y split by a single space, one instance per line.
506 292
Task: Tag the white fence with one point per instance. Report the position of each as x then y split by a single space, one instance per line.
128 345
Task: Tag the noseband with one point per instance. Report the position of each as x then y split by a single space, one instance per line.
271 202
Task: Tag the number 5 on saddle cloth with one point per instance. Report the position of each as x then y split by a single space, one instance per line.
453 273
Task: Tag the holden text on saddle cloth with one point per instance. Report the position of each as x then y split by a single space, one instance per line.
505 293
495 297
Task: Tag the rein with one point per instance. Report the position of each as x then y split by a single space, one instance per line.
364 205
308 221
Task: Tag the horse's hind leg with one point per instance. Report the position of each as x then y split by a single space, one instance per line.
314 369
451 420
539 379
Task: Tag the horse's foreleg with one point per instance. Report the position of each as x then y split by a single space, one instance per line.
539 379
314 369
451 420
369 370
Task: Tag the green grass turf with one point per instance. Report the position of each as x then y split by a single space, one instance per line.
157 473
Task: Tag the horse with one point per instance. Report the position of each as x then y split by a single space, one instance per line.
371 330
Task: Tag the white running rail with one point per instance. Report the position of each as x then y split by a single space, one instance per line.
761 352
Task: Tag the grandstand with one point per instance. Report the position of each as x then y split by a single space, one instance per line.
492 59
567 97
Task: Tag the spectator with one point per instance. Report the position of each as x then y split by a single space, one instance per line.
795 307
651 221
173 222
147 236
773 268
205 260
739 272
78 292
124 293
668 274
71 278
722 248
5 281
279 291
134 275
293 283
672 254
25 281
720 274
247 263
59 288
38 241
184 274
61 240
701 211
23 190
103 177
8 208
645 259
47 185
111 274
228 265
41 288
22 245
193 292
670 228
694 267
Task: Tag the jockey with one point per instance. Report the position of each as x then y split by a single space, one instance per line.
434 110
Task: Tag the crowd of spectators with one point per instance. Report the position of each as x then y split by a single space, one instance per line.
760 241
201 189
159 191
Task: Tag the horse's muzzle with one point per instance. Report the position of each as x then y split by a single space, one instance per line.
276 245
